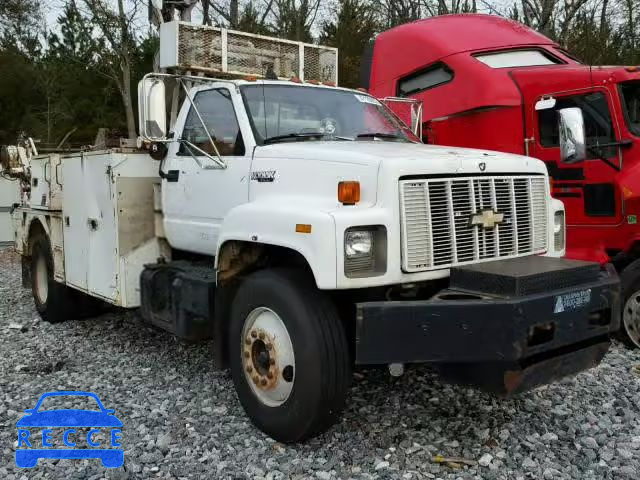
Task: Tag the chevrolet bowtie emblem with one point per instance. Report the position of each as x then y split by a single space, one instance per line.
487 219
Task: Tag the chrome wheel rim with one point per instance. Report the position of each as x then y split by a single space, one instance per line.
41 280
631 318
268 360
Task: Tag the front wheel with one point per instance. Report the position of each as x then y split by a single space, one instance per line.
630 328
289 356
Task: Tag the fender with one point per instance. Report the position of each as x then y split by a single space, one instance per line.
273 222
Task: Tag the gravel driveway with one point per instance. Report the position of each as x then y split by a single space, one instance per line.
182 420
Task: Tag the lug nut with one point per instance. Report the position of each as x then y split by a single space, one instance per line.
269 346
263 382
248 341
249 369
272 361
247 354
261 336
269 375
254 334
256 379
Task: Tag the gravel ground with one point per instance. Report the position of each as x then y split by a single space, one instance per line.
183 420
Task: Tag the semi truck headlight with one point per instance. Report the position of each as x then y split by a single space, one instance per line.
358 243
365 251
558 231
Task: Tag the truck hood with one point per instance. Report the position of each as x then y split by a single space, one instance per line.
400 159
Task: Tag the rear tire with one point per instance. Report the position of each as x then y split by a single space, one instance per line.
52 299
289 356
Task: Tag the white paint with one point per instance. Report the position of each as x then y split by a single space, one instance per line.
9 194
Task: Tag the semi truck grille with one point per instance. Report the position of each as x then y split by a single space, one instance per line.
455 221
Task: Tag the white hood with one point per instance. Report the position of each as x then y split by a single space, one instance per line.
405 158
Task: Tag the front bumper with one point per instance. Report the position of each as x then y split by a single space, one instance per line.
503 326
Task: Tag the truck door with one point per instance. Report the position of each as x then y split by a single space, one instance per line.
198 194
587 189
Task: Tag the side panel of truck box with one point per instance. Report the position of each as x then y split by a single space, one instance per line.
75 214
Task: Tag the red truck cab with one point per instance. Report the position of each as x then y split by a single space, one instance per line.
481 80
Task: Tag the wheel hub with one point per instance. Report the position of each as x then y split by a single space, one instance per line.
267 357
631 318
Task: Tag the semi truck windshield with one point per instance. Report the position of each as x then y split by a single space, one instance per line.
630 100
293 113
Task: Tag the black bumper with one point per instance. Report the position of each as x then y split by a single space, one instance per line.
504 326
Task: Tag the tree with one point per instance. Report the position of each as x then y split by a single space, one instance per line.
352 28
115 61
294 19
19 26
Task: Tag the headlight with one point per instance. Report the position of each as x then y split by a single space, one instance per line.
358 243
365 251
558 231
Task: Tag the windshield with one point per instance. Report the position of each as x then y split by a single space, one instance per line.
293 113
630 100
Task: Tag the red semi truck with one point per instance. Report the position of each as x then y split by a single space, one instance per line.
489 82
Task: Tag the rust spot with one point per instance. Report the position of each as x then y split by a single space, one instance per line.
512 380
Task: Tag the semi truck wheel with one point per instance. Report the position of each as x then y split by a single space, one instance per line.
629 332
289 356
50 297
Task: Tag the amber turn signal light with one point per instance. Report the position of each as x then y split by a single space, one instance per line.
349 192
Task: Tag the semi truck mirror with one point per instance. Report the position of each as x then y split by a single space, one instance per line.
572 136
152 111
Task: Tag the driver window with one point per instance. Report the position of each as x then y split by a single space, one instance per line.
216 108
597 122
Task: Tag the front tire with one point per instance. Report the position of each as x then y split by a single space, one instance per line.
289 356
629 332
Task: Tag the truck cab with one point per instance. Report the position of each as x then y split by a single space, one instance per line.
499 85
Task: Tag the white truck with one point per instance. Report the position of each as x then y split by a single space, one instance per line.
306 229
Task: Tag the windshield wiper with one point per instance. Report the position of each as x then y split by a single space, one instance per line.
324 136
288 136
379 135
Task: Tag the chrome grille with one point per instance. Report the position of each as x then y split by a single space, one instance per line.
436 214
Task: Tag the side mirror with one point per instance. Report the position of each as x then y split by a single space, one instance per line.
152 110
573 148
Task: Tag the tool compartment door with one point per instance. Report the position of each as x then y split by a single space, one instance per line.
101 224
74 214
